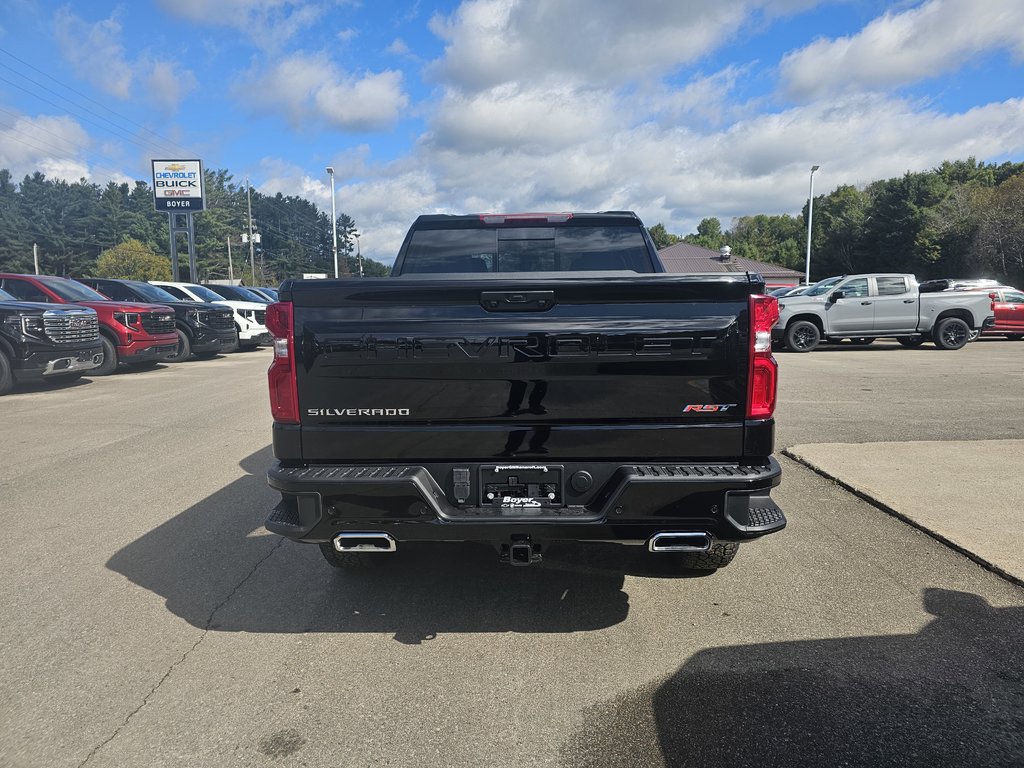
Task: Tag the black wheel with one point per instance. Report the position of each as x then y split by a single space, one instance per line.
109 364
861 342
951 333
184 351
719 556
350 560
802 336
910 341
6 375
1015 336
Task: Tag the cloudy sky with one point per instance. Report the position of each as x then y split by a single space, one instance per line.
677 109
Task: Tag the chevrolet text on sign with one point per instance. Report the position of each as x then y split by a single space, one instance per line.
178 185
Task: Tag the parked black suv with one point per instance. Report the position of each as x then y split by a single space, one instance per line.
203 329
44 341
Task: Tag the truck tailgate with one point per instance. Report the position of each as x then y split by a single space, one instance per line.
649 367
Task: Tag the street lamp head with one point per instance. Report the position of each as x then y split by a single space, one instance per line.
330 169
814 168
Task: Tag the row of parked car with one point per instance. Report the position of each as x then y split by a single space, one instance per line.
860 308
58 329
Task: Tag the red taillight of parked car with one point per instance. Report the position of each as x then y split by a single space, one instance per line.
764 371
284 396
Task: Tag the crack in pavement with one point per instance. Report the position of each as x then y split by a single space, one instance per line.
176 664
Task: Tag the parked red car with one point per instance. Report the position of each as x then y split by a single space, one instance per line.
1008 307
130 332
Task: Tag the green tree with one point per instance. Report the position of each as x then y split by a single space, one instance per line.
132 260
662 238
773 239
709 234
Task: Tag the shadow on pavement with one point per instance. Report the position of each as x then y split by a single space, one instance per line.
217 568
950 695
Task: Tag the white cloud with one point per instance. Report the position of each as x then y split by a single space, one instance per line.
398 47
57 146
95 50
935 38
491 42
675 174
513 116
267 23
167 84
310 89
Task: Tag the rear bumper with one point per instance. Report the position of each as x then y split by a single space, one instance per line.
727 501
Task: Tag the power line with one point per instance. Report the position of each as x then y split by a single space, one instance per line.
164 140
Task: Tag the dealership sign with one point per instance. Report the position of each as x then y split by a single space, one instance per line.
178 185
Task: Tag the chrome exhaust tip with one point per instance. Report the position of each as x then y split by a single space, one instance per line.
679 542
365 542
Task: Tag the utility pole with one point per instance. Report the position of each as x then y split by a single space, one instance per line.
35 256
252 248
334 224
231 271
810 216
359 253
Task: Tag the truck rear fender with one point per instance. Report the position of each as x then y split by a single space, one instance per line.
963 314
810 318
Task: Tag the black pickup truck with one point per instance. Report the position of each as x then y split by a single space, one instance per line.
519 380
46 342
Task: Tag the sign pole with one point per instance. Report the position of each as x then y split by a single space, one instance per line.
174 249
191 249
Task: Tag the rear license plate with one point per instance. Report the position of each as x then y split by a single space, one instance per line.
521 486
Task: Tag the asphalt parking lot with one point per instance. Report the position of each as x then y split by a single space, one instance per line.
150 620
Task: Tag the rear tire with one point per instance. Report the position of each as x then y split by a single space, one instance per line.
951 333
184 348
802 336
109 364
350 560
6 375
718 556
910 341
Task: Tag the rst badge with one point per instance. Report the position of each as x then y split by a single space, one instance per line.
708 407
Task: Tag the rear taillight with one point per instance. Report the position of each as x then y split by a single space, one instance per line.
764 371
284 396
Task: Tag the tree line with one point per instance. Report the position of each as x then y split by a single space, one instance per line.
963 219
73 224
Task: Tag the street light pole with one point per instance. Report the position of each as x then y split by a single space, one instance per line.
359 253
252 245
334 222
810 216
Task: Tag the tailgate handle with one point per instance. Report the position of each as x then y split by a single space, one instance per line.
517 301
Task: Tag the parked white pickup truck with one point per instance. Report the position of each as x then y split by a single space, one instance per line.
862 308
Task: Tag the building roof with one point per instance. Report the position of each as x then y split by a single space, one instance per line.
689 258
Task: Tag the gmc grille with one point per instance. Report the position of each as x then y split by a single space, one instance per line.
220 320
158 322
71 327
